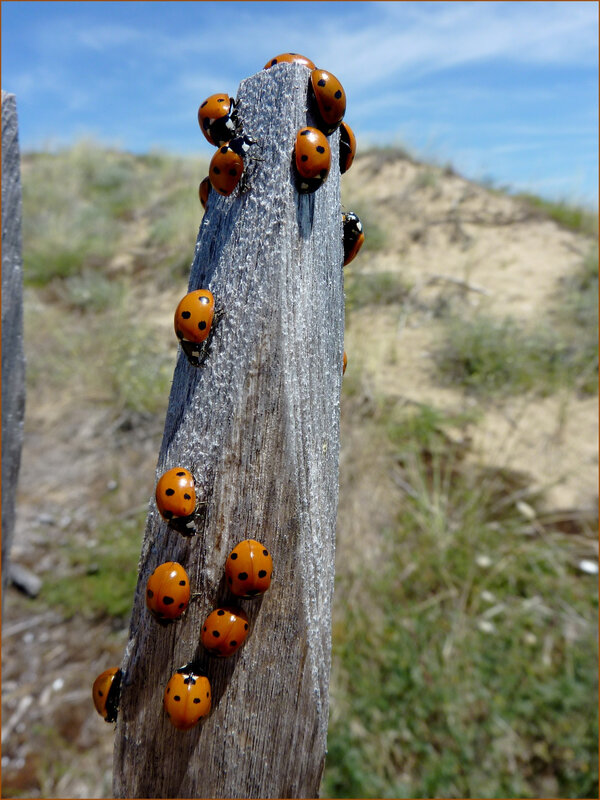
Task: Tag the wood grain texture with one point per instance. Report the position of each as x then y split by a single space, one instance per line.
258 425
13 358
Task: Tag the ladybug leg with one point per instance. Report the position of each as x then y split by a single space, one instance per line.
219 314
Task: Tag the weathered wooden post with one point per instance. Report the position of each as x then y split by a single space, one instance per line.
258 426
13 359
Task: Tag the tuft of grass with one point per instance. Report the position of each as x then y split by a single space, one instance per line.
79 204
465 656
101 580
374 288
109 357
568 215
503 357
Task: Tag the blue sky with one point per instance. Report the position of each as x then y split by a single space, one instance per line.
502 90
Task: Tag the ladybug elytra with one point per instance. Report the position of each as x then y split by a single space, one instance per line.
248 569
193 322
330 99
176 499
354 236
347 147
216 117
187 697
168 592
312 157
105 693
290 58
224 631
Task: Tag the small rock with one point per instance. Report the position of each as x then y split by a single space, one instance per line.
25 580
588 566
526 510
46 519
111 486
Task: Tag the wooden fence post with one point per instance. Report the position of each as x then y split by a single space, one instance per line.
13 358
258 426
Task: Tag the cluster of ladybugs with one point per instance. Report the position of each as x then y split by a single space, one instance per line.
249 566
248 571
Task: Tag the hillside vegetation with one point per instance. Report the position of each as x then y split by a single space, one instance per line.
464 631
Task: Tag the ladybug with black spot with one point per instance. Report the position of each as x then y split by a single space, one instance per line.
312 159
187 697
193 323
217 119
176 499
290 58
227 165
204 191
347 147
354 236
224 631
105 693
329 100
248 569
168 592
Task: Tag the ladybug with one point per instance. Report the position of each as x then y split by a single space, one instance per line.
227 164
224 631
187 697
290 58
193 322
217 119
344 363
312 156
248 569
353 235
204 191
168 592
176 499
347 147
105 693
329 98
226 167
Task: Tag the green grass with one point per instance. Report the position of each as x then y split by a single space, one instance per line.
101 580
568 215
465 659
78 203
503 357
109 357
373 288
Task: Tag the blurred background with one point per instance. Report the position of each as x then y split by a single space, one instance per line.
465 614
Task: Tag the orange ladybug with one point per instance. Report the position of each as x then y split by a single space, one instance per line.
330 99
168 591
224 631
176 499
354 236
105 693
216 117
290 58
248 569
312 156
344 363
225 171
347 147
193 321
204 191
187 697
